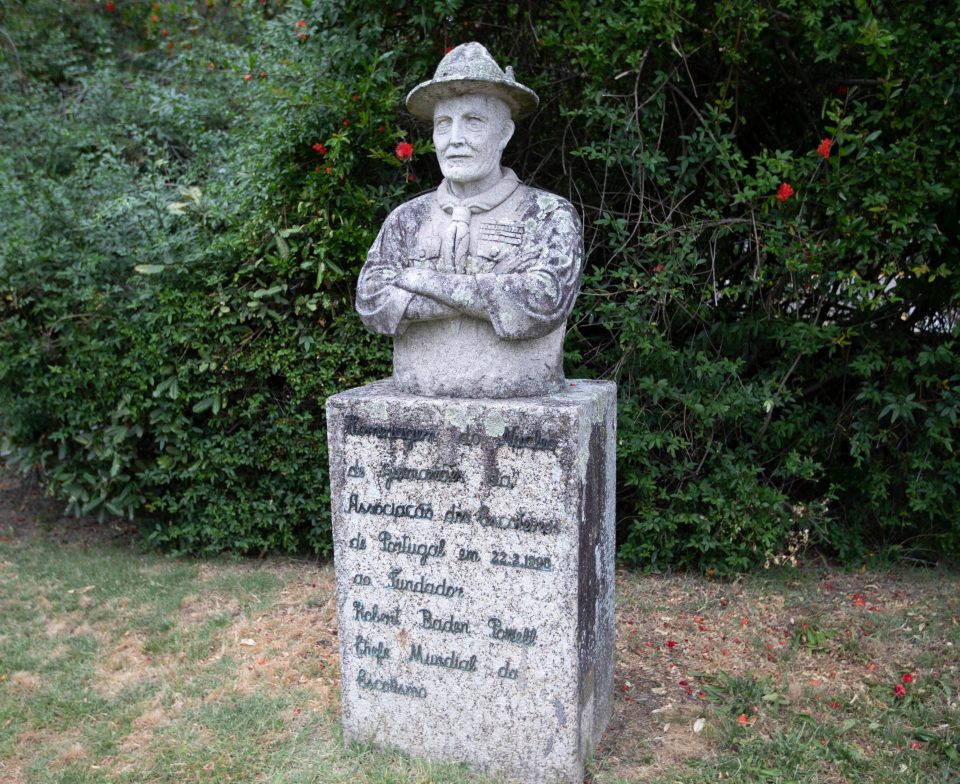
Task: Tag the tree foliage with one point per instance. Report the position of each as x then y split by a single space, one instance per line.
191 188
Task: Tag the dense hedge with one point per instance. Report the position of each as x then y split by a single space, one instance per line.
770 199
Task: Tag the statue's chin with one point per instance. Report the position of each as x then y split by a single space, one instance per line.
464 172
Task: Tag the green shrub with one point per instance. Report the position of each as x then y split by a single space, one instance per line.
177 265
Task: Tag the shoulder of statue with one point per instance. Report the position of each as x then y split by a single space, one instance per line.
415 210
546 206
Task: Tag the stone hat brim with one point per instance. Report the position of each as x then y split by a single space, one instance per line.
423 98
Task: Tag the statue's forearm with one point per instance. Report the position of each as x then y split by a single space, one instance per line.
454 290
423 308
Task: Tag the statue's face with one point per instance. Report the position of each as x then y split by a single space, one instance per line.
469 133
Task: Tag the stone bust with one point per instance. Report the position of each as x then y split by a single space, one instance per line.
475 280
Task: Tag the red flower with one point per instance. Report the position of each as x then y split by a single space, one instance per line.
742 719
303 36
784 192
154 18
899 691
164 32
110 6
411 178
907 677
404 151
824 149
320 148
658 268
329 170
916 745
247 77
346 123
382 129
301 23
671 643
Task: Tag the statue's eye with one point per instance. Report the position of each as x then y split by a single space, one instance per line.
442 125
475 123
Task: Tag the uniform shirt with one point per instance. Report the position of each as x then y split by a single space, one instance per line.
526 255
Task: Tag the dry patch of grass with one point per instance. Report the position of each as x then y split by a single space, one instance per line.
162 670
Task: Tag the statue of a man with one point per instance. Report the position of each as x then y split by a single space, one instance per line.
474 281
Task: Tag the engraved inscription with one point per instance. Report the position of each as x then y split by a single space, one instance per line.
391 686
526 636
536 441
361 579
364 647
375 615
537 563
503 480
358 542
449 625
453 661
356 471
391 544
457 515
422 585
449 474
519 521
507 672
354 426
469 437
468 555
414 511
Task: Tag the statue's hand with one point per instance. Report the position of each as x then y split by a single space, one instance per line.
412 279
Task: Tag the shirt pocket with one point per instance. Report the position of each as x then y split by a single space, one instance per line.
425 254
490 253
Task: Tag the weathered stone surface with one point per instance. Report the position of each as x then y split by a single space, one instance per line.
474 545
482 273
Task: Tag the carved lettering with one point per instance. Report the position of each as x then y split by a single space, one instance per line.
468 555
390 544
354 426
363 647
391 686
508 481
356 471
519 521
357 543
449 625
453 661
535 441
449 474
526 636
456 515
361 579
375 615
469 437
422 585
537 563
396 510
507 672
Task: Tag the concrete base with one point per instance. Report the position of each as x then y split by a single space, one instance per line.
474 546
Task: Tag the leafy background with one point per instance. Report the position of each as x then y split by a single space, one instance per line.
190 188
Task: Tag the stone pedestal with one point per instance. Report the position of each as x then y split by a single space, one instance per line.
474 546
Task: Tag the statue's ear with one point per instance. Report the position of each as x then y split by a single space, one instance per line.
508 129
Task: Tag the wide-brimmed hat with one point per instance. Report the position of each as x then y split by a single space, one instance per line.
469 69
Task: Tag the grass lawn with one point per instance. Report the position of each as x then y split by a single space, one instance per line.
118 665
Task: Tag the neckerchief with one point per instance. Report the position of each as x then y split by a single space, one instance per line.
456 239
